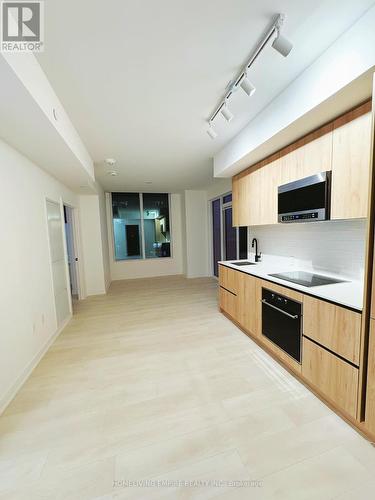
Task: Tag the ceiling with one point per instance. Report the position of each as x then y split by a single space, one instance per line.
140 78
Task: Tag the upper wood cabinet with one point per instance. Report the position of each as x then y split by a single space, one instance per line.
342 146
308 159
351 168
255 196
241 200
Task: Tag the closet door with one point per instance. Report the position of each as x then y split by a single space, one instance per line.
58 264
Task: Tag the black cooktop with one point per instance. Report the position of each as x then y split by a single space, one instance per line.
306 279
243 263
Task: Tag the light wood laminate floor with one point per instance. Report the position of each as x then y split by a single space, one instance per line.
152 383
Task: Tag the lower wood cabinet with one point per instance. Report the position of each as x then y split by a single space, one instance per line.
331 340
228 278
331 376
334 327
249 308
370 389
228 303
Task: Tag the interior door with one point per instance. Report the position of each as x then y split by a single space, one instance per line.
58 265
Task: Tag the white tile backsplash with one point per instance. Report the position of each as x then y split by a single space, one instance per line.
332 246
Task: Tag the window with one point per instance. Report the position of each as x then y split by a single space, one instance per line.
141 225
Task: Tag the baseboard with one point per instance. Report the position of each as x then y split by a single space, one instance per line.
12 392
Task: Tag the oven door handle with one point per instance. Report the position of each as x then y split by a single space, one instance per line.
292 316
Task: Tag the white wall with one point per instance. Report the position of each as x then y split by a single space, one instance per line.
145 268
196 213
27 319
333 246
92 245
104 237
346 59
219 187
28 70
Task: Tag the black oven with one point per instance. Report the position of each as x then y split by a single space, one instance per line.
282 322
305 200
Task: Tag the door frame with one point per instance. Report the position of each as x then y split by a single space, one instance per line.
77 249
223 207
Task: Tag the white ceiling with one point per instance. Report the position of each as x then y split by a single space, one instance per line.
140 78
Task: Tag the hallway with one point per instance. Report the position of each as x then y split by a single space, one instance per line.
152 382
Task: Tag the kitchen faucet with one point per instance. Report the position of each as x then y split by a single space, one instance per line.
258 257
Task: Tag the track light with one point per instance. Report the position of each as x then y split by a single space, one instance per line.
282 44
212 132
225 111
247 86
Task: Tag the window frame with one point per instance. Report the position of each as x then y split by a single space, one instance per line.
143 258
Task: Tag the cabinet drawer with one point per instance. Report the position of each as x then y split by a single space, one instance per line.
228 278
334 327
228 303
370 392
331 376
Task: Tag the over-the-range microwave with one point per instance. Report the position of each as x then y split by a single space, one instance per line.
305 200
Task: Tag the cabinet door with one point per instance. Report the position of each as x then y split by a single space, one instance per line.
228 278
264 194
249 306
228 303
351 168
334 327
370 393
241 200
331 376
308 159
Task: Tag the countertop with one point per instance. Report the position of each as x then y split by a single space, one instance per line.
348 294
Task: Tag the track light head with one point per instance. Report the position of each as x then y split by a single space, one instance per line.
282 44
212 132
225 111
247 86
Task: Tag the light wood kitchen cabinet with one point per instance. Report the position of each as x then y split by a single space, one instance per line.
228 278
241 200
331 376
249 307
370 392
342 146
228 303
334 327
255 196
308 159
264 191
351 168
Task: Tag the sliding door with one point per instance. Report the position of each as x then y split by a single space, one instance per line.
228 242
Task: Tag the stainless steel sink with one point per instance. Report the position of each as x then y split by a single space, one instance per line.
243 263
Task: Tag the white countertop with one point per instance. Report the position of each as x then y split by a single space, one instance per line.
349 294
